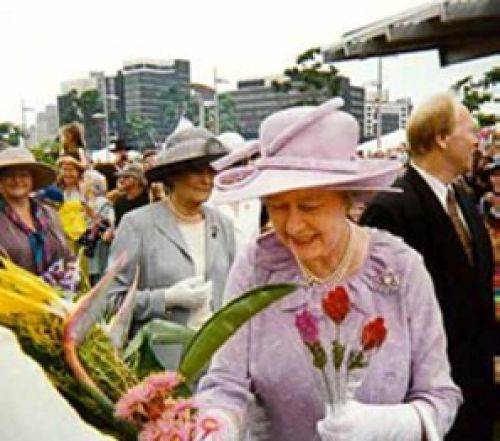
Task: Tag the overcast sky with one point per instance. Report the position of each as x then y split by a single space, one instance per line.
45 42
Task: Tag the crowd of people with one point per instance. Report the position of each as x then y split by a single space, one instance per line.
413 235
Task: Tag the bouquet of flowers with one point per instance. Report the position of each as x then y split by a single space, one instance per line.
81 353
156 406
347 358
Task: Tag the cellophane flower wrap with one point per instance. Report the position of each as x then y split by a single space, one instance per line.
347 358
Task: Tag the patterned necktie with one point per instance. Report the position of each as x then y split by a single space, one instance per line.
461 230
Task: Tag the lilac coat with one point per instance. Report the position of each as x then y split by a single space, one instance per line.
14 243
267 359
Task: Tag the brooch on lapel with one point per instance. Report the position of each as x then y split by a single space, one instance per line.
387 282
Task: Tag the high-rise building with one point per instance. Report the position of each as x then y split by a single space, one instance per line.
113 113
394 114
146 83
47 124
255 99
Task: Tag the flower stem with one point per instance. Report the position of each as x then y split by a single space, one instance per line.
328 388
336 372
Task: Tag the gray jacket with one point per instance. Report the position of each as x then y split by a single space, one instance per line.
152 240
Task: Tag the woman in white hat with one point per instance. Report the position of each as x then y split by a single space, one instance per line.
70 179
183 248
31 232
306 175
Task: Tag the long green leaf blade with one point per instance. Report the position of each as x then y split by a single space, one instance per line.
224 323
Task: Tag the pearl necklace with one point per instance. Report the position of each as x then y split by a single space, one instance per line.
341 269
190 219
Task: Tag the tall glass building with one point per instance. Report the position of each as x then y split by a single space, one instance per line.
145 85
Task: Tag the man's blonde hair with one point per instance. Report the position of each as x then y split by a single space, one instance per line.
437 116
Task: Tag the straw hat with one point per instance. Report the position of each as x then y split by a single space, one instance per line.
20 157
307 147
68 159
189 148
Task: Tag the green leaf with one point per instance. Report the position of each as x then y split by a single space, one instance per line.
338 351
319 355
356 360
224 323
140 348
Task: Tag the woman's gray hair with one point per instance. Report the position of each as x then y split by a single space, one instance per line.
97 182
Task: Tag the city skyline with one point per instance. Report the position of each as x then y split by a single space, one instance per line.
54 41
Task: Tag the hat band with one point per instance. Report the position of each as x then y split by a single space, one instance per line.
294 163
240 176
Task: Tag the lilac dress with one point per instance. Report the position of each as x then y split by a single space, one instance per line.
266 358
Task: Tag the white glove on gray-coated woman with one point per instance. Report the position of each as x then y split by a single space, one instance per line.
368 422
189 293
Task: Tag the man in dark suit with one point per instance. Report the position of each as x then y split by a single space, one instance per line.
440 221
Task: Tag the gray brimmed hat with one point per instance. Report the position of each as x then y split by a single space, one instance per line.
134 170
21 157
187 149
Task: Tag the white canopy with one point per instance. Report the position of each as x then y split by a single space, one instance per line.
388 141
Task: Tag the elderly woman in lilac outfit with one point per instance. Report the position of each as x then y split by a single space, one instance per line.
306 177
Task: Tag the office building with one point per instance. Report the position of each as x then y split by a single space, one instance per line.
394 115
145 84
47 124
255 99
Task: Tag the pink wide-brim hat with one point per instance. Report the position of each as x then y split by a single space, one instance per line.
307 147
242 152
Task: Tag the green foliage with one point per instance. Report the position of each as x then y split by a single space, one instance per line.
311 77
140 129
179 103
10 133
474 93
139 352
47 151
224 323
228 121
83 108
175 102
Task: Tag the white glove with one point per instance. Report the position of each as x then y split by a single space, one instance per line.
368 422
218 425
189 293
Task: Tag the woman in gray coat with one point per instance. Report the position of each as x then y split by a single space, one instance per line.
182 248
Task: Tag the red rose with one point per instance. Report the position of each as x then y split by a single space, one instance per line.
374 334
336 304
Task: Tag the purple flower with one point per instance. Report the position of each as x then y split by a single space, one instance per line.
307 325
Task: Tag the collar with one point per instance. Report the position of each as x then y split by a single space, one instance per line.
438 188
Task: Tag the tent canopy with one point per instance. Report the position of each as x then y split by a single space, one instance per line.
459 29
387 141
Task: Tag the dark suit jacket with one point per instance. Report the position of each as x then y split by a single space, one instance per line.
463 291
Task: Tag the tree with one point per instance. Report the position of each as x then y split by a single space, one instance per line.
84 108
69 107
140 130
311 78
228 121
179 103
175 103
475 93
47 151
10 133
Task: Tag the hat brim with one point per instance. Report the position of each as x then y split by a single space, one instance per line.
163 171
70 160
42 174
371 176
